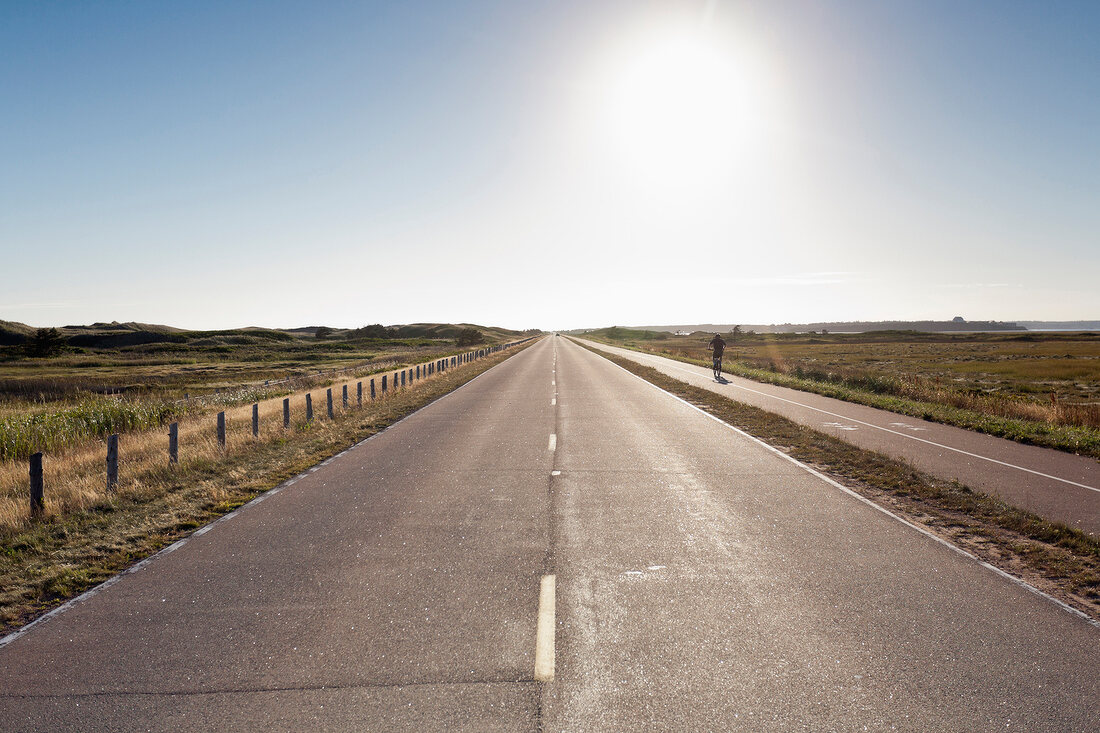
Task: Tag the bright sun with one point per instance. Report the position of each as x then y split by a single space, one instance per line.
684 110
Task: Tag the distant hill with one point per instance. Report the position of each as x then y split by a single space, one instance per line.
116 335
13 334
847 326
1061 325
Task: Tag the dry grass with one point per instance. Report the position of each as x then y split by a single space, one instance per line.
1012 386
76 477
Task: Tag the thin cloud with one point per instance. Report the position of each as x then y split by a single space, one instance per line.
35 306
805 278
980 285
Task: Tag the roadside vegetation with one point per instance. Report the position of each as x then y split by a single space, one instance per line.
1062 561
64 387
1036 388
87 534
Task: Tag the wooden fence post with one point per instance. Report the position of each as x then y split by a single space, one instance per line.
221 429
402 377
286 412
174 443
255 419
372 387
328 398
38 504
383 384
112 462
418 371
345 396
309 407
359 393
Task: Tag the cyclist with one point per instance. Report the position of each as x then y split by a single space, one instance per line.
718 346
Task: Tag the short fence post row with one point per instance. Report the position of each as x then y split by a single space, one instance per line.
405 376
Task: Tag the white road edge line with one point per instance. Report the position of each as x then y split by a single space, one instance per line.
94 590
544 630
888 430
1007 576
553 445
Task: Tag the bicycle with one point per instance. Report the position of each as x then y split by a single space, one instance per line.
718 367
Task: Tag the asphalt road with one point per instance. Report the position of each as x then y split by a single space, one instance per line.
700 582
1054 484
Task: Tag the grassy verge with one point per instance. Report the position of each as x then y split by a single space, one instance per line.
44 563
1062 561
1077 439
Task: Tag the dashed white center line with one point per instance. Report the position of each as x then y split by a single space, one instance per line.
553 442
553 401
544 631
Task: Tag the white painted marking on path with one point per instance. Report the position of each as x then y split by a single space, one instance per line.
993 568
544 631
555 473
839 426
553 442
888 430
553 401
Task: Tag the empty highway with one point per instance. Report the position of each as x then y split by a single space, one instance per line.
557 546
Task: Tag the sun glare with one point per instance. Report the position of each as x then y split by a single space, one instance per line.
684 110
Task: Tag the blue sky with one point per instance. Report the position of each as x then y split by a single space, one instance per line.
550 164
